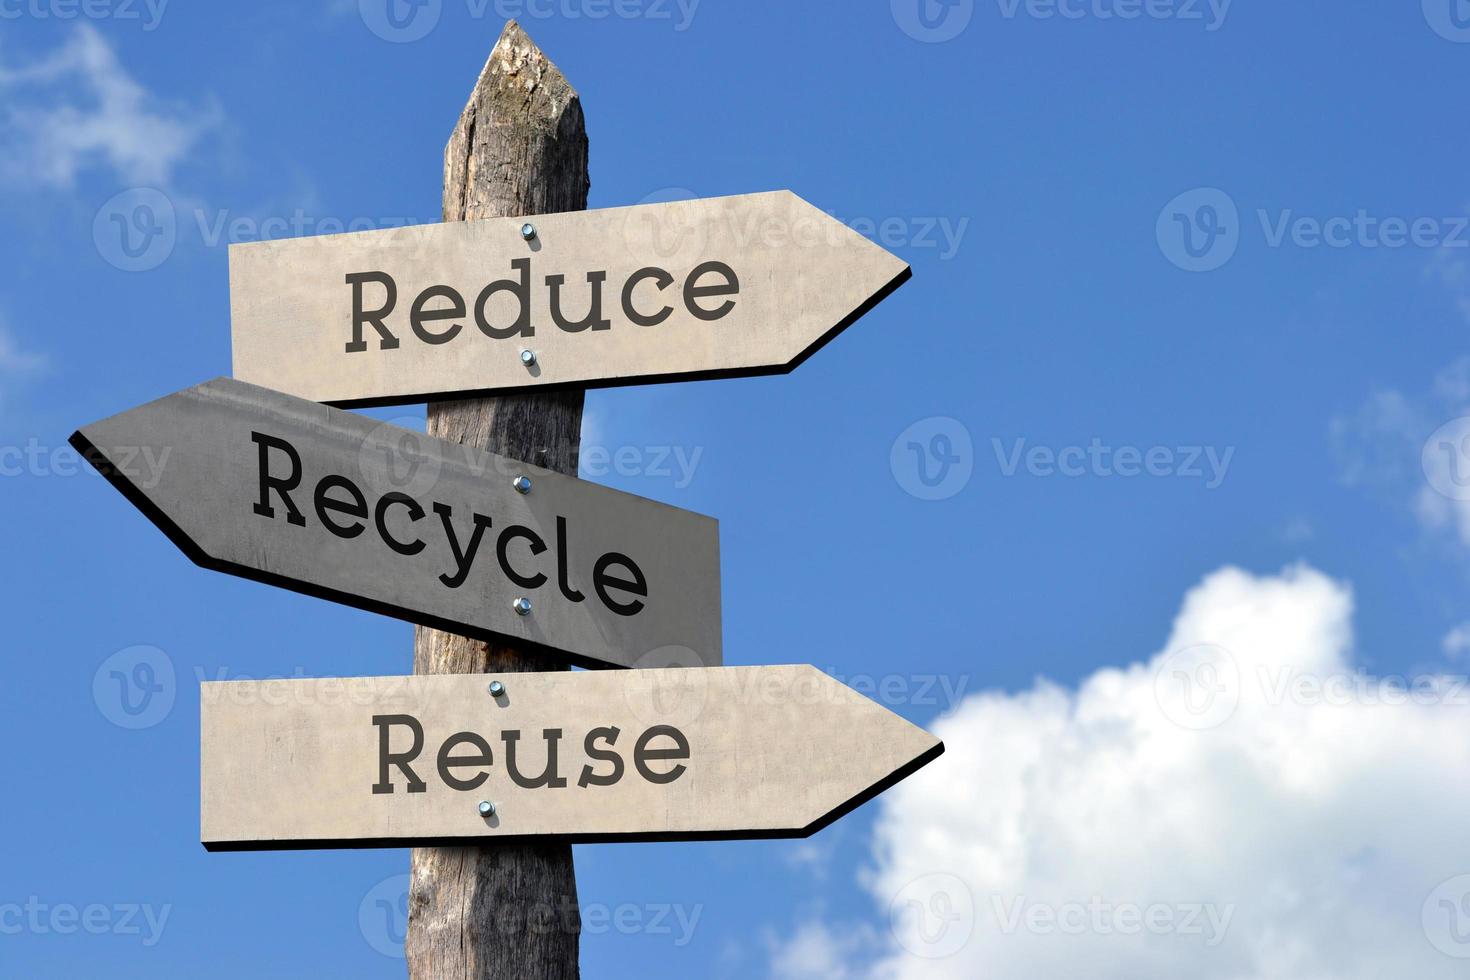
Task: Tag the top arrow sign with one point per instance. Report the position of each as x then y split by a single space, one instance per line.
723 287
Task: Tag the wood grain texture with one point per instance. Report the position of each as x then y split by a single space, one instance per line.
507 911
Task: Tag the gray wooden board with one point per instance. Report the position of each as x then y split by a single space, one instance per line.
735 752
802 277
214 442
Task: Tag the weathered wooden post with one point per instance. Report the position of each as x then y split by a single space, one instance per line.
252 454
507 910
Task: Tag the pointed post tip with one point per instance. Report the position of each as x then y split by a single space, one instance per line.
516 56
514 36
515 49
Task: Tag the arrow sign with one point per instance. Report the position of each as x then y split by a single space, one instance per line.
711 288
747 752
333 504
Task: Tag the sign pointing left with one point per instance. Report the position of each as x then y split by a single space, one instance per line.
335 505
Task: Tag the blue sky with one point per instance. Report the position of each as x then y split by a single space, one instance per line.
1223 248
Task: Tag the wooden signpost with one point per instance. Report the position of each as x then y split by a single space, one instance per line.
333 504
710 288
494 757
747 752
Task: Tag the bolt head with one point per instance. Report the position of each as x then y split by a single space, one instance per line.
528 357
496 689
487 809
522 484
522 606
528 231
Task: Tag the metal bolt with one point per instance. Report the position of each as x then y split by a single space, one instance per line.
522 484
522 606
496 689
528 231
487 809
528 358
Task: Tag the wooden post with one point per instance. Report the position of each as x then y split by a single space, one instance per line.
504 910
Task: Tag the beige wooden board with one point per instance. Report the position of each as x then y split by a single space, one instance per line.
385 519
771 752
802 277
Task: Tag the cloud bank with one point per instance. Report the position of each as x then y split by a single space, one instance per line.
1243 804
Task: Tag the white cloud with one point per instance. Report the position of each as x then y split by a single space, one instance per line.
1452 272
1245 805
79 108
813 953
17 364
13 360
1456 642
1415 450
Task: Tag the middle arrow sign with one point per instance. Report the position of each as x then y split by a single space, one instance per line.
333 504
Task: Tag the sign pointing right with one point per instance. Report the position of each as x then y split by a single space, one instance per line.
722 287
683 754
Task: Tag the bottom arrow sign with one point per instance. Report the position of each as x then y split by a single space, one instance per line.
680 754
